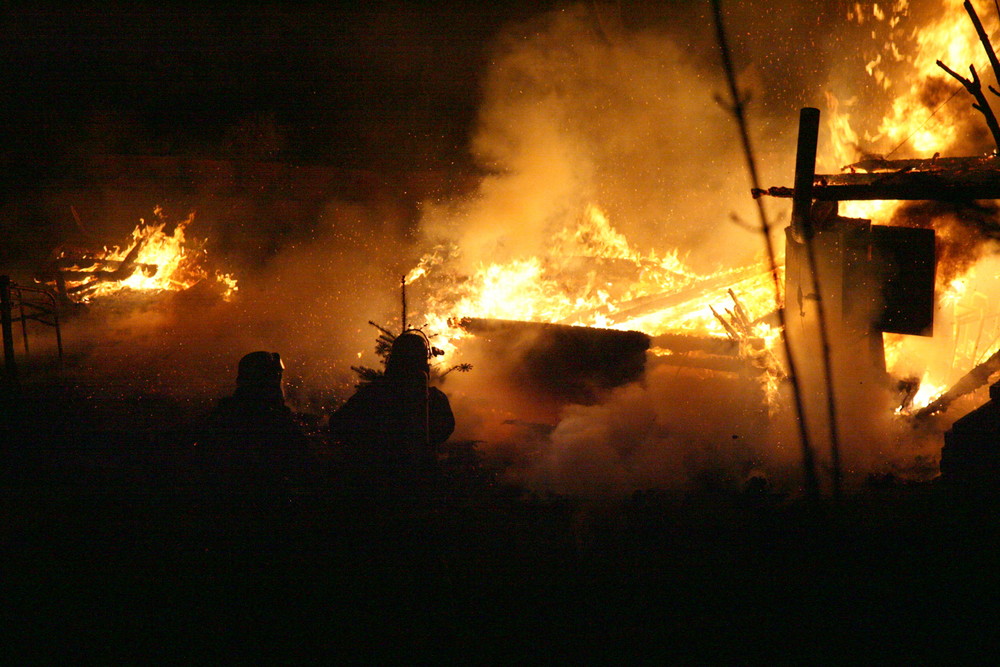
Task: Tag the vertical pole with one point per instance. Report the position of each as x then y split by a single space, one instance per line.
24 322
55 320
10 366
402 289
802 231
805 172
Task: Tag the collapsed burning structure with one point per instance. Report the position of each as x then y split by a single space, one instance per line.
880 285
592 328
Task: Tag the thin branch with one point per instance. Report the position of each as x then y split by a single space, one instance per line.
808 458
984 38
975 88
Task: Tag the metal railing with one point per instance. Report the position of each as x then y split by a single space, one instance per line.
23 304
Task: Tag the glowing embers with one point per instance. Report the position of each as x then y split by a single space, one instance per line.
926 111
153 261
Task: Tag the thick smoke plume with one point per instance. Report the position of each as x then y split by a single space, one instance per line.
581 110
579 106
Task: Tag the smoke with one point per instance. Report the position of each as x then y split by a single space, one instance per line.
310 302
966 231
578 109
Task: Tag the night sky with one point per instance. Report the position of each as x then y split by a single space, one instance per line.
361 83
353 85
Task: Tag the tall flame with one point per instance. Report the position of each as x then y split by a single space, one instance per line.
929 114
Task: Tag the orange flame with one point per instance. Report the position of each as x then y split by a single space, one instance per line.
591 276
164 262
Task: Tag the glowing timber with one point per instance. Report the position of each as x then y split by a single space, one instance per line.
943 179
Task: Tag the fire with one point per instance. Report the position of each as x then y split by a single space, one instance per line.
928 114
920 116
928 123
593 277
153 261
929 111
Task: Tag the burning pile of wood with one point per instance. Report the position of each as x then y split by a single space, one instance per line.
76 273
153 261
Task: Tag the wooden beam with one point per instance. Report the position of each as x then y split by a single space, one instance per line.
938 185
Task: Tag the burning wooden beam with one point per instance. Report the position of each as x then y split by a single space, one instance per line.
968 383
710 362
653 303
955 179
684 343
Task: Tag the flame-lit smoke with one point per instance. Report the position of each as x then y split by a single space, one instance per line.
602 141
579 111
917 110
310 302
563 99
965 232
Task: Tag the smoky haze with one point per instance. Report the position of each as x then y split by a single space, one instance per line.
612 105
580 109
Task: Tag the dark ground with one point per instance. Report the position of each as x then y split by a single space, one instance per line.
118 546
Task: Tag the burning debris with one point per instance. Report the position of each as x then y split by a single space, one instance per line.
153 261
569 306
887 277
591 277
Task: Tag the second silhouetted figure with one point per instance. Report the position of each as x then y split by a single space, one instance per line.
397 420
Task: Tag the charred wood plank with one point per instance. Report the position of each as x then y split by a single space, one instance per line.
683 343
938 185
652 303
489 325
877 163
578 357
562 360
70 264
710 362
677 343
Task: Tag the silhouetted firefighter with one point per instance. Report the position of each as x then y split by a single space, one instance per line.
255 417
396 422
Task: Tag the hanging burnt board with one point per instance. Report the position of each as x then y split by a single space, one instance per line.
904 261
874 278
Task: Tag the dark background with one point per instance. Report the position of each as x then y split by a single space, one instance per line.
349 85
370 84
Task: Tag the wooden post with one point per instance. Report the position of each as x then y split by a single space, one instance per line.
10 366
805 171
